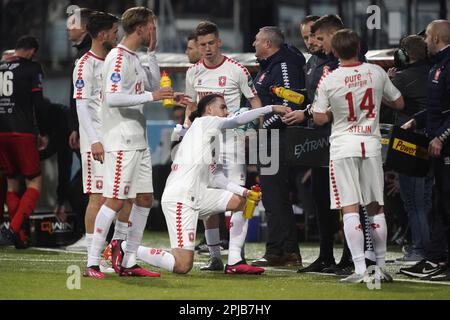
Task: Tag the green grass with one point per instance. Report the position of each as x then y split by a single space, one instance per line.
36 274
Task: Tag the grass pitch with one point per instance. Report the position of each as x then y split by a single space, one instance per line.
38 274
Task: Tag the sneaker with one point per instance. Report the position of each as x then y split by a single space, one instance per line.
15 239
382 275
214 264
106 267
356 278
341 269
409 258
93 272
79 246
204 250
242 268
317 266
4 241
136 271
116 254
200 245
442 276
422 269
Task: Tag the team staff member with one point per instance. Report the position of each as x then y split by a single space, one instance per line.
21 111
436 119
280 65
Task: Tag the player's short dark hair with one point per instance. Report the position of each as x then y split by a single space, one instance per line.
100 21
345 43
330 22
27 42
84 13
202 104
207 27
309 19
192 36
135 17
415 46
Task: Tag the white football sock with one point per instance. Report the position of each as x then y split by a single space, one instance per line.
156 257
103 221
238 232
355 240
213 241
120 230
89 237
378 227
137 222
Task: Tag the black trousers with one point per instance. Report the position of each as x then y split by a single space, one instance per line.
327 219
282 230
440 224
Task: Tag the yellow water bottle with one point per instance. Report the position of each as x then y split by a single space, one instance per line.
288 94
166 83
252 199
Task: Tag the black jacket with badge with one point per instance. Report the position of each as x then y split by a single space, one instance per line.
284 68
436 117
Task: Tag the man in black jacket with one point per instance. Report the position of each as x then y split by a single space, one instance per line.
411 79
436 120
77 34
280 65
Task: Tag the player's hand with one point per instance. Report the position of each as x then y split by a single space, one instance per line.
296 116
163 93
410 125
435 147
182 99
282 110
98 153
60 213
74 140
42 142
391 72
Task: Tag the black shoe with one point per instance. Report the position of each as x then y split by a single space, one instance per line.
442 276
214 264
10 235
342 268
317 266
201 244
422 269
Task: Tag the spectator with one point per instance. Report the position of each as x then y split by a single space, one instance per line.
436 120
283 65
20 113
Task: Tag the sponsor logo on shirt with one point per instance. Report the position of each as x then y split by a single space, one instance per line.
115 77
79 83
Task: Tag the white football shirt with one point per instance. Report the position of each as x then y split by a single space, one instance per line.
87 81
190 168
354 94
123 128
229 79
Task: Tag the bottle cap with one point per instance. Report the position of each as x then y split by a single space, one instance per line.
256 188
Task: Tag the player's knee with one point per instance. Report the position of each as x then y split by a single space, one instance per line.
182 267
144 200
236 203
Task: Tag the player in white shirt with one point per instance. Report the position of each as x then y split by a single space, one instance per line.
128 170
350 97
196 188
216 73
87 80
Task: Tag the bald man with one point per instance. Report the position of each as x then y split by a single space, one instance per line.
436 120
